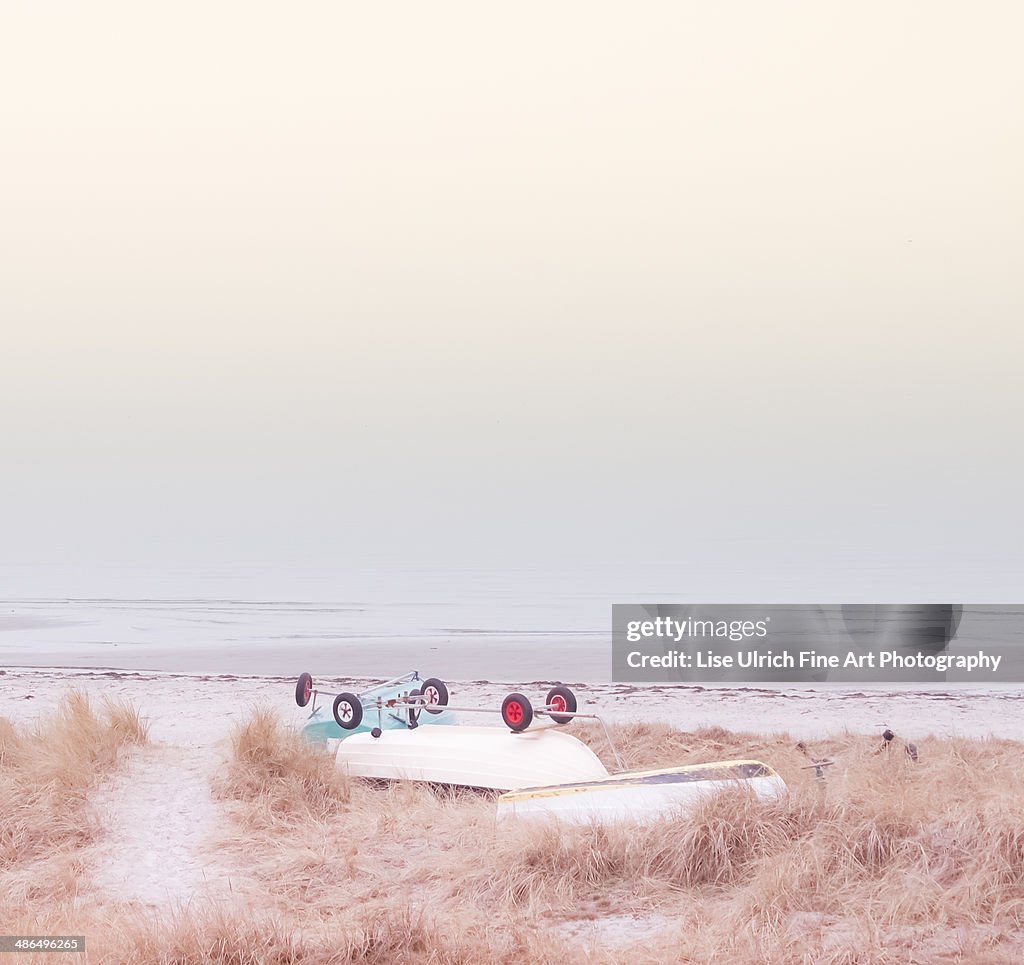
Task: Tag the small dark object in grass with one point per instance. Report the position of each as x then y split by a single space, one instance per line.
909 746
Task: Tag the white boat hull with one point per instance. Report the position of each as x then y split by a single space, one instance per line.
640 796
484 757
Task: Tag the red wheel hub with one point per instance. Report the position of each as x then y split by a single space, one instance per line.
308 691
432 696
558 704
514 711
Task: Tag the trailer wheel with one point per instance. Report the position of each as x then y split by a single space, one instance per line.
560 701
436 694
517 712
414 709
303 689
348 711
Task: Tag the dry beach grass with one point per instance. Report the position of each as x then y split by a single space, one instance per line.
46 773
887 860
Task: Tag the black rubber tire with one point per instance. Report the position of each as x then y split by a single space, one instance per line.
440 689
517 712
564 699
414 709
303 689
354 716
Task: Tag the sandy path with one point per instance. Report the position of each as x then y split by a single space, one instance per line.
159 815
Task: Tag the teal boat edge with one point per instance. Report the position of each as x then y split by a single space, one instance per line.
322 727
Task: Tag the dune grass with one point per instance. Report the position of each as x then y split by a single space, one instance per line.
46 773
883 856
279 776
882 849
885 861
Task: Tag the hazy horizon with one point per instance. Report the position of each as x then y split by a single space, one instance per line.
723 298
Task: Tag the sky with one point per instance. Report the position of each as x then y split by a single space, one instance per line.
703 293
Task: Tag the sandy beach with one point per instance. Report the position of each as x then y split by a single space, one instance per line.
198 709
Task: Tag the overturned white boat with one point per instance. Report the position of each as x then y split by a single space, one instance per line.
483 757
640 796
